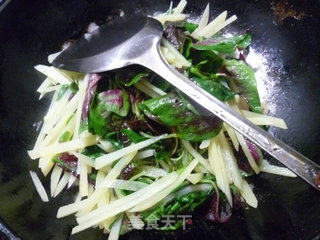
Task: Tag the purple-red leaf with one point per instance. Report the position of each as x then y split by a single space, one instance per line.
219 209
255 151
91 89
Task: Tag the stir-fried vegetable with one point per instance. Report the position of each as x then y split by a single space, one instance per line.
180 115
224 45
138 149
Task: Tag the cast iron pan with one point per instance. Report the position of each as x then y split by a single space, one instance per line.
286 43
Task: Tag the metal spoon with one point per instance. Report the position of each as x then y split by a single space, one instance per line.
136 40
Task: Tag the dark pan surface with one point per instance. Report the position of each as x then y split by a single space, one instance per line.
287 62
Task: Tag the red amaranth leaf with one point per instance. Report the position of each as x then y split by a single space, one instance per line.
91 89
219 209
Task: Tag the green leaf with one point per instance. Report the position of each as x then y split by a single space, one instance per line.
101 118
218 47
206 62
245 42
137 78
214 87
245 80
112 137
65 137
209 178
62 91
187 47
133 136
224 45
98 118
176 112
195 72
198 130
185 203
74 87
215 84
169 109
190 27
92 176
93 152
83 125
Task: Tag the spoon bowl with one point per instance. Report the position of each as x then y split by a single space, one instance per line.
111 46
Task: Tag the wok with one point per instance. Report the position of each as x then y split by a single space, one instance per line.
285 54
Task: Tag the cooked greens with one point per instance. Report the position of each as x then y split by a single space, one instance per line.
106 108
224 45
178 114
243 77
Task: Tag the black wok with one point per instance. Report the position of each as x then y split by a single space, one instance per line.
286 43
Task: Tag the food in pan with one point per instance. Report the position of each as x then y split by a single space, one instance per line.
138 150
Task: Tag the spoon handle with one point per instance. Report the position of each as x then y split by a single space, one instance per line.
292 159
